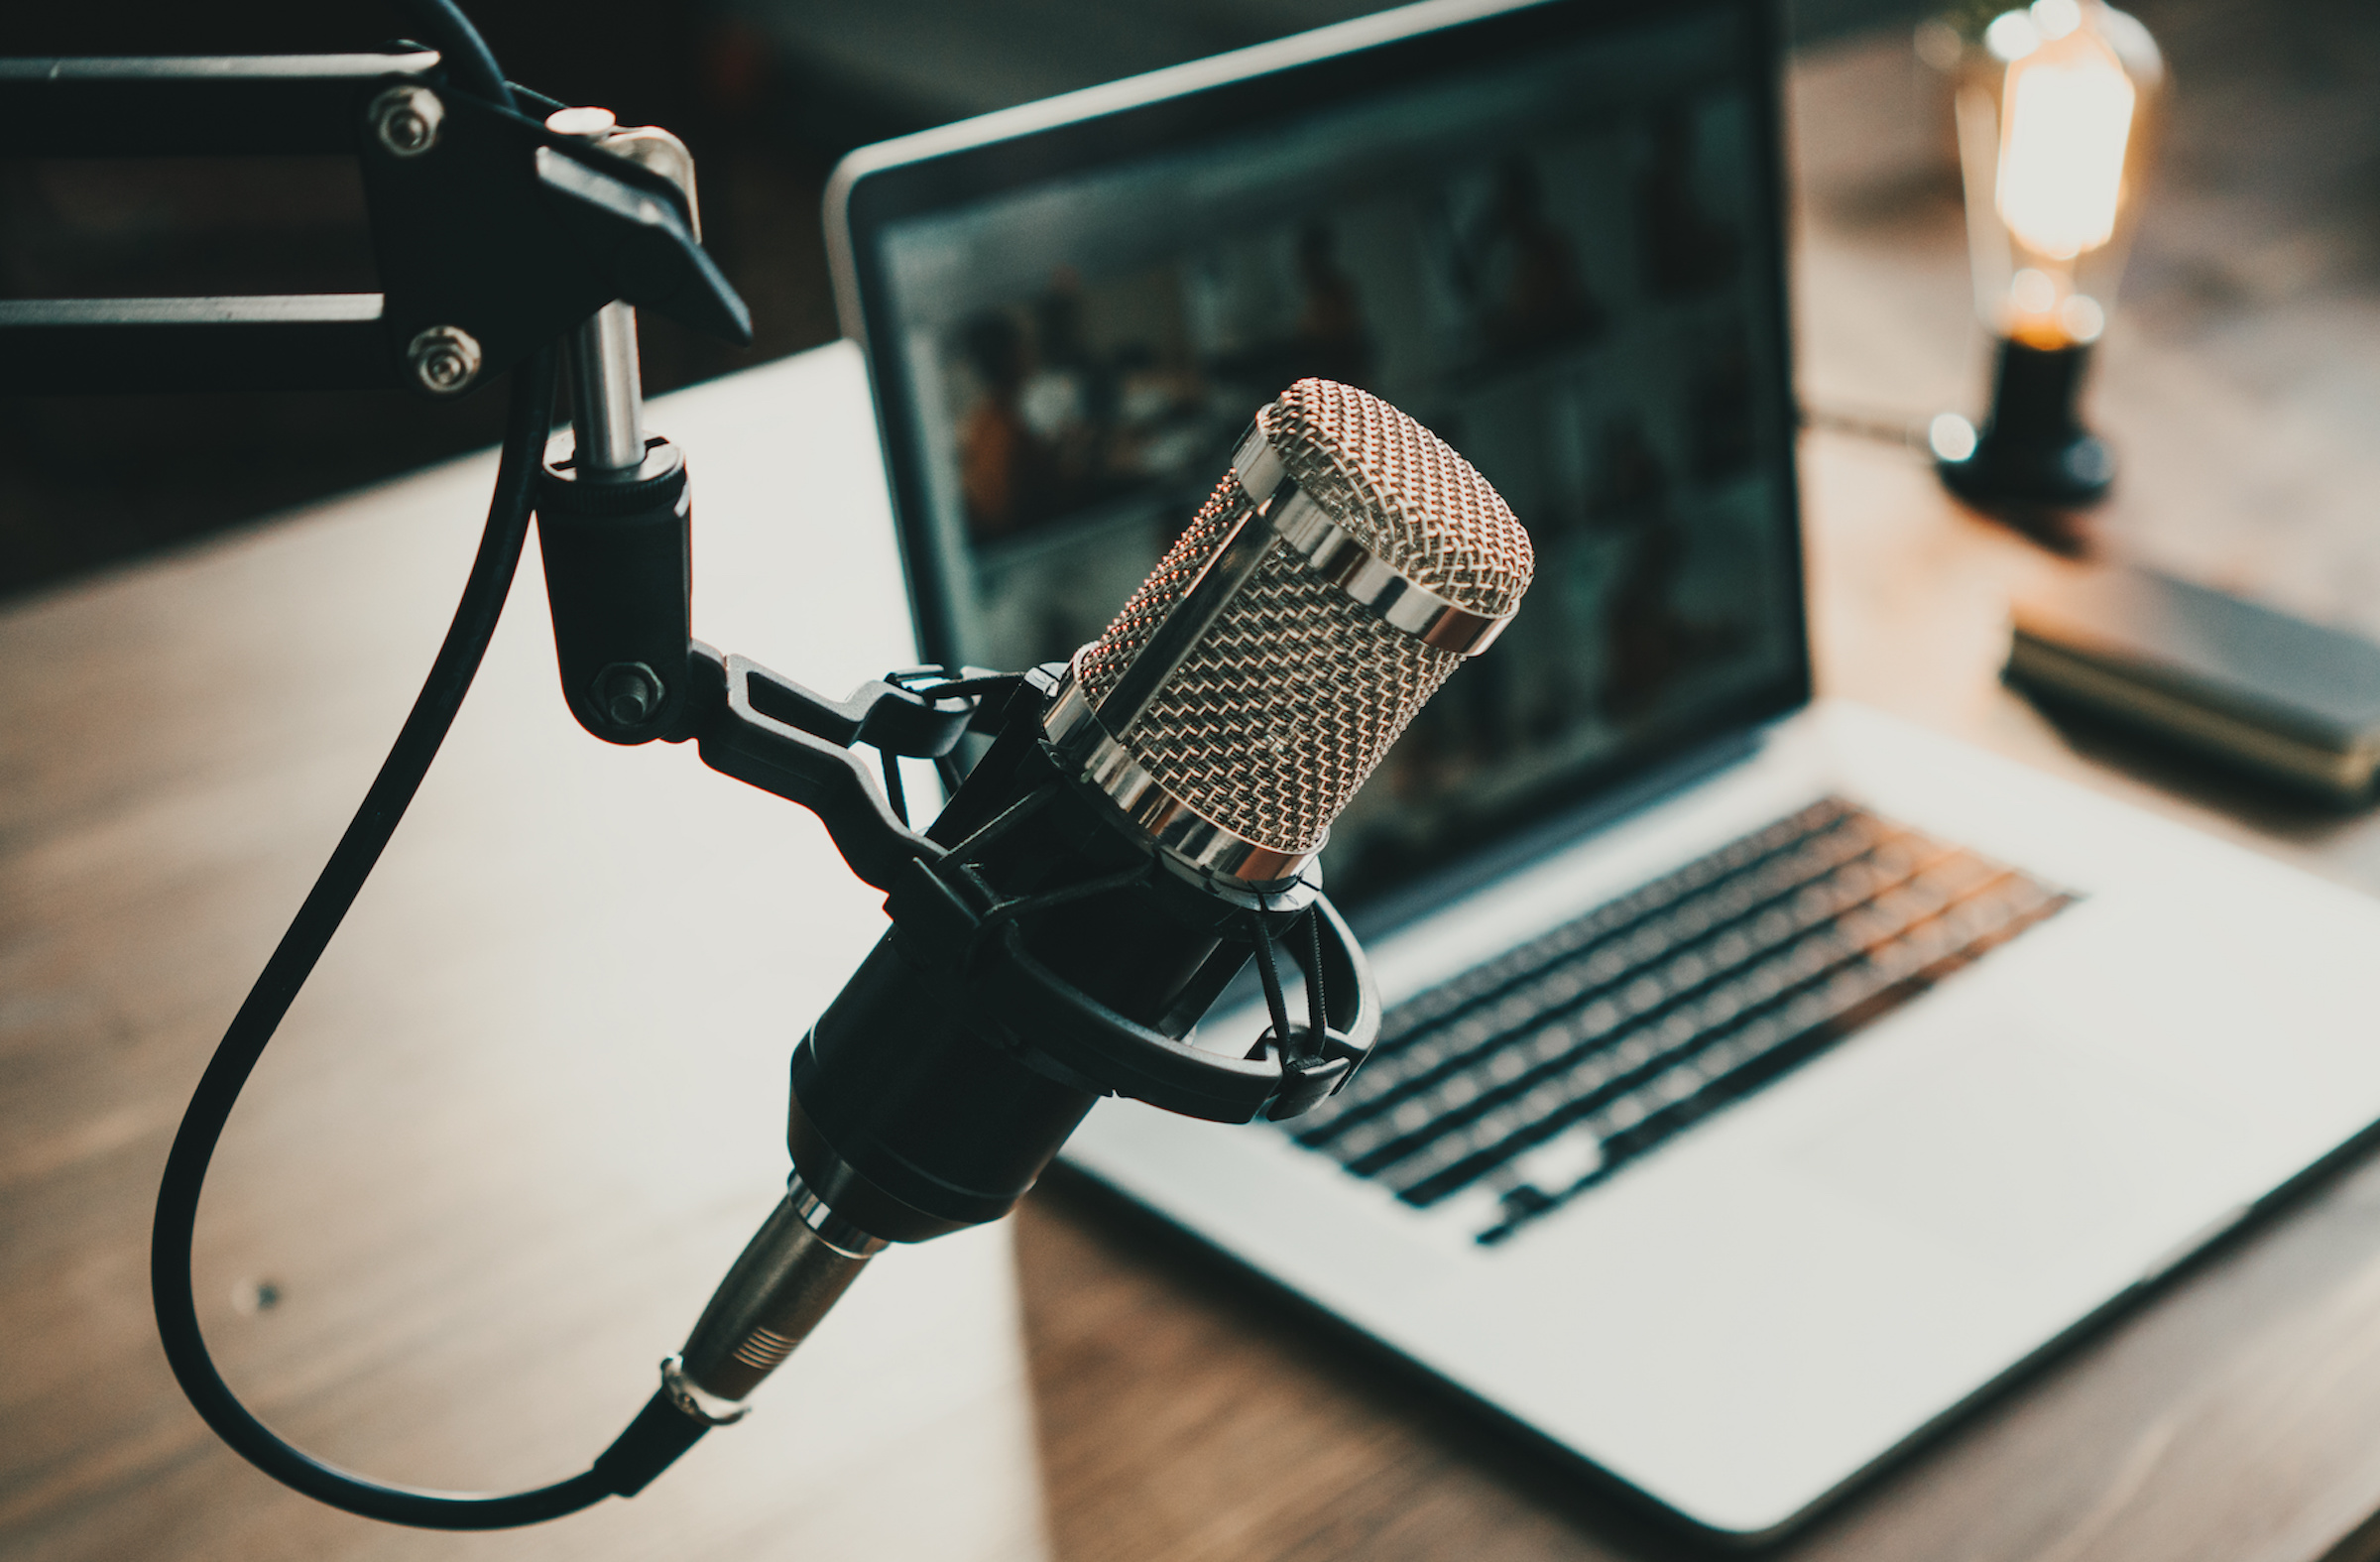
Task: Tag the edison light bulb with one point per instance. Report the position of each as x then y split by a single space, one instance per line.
2065 121
2053 103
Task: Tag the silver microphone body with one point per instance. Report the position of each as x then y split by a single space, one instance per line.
1146 819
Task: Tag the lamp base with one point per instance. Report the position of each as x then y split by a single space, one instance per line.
2033 451
2059 476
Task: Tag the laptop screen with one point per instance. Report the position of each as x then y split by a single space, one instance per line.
1561 256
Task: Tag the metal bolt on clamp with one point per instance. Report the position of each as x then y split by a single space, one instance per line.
445 360
406 120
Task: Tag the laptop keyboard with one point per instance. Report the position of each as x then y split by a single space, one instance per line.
1531 1077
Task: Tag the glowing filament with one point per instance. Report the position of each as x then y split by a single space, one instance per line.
2065 122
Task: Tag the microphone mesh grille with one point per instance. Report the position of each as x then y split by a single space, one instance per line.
1402 492
1105 658
1294 692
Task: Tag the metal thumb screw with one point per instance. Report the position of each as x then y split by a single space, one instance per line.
406 119
627 693
445 360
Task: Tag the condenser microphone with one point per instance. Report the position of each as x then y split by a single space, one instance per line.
1146 820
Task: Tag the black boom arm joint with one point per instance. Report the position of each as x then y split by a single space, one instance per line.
769 731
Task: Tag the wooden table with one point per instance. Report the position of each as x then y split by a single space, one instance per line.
532 1103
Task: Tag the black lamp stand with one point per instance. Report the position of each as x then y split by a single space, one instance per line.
2032 450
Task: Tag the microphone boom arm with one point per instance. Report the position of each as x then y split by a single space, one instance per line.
1008 965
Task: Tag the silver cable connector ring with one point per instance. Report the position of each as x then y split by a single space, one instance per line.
694 1400
829 1227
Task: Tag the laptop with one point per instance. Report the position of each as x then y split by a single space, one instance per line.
1763 1081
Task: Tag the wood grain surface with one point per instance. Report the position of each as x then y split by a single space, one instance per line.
532 1103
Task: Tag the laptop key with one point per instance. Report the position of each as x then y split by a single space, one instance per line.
1646 1014
1531 1077
1761 896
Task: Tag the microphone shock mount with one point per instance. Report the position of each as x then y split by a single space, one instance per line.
1043 952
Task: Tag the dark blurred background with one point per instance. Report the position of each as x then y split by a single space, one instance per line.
768 93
